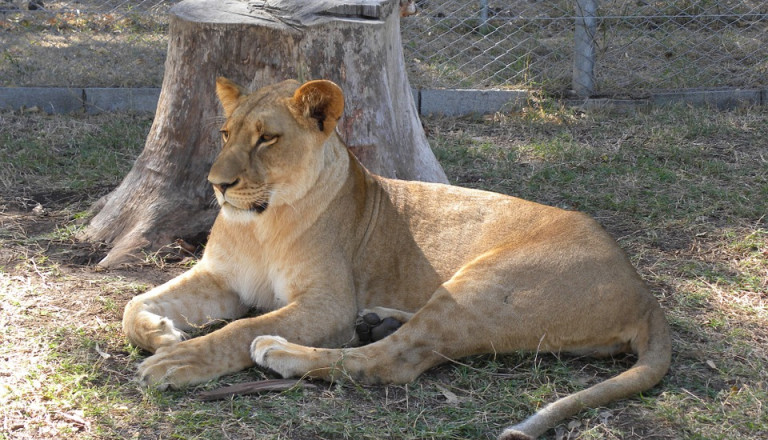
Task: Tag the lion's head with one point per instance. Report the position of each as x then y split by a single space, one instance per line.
273 142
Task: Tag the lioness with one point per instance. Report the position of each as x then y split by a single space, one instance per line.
308 235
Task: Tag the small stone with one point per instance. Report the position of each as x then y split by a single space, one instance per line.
39 210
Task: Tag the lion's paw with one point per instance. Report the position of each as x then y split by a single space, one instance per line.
167 334
148 330
279 355
262 345
371 328
176 366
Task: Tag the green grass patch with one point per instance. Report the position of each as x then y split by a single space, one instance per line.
68 153
663 166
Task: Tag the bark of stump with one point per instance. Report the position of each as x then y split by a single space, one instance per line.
166 196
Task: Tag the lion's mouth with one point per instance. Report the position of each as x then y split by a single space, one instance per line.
259 207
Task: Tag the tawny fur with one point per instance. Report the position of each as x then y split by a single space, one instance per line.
309 236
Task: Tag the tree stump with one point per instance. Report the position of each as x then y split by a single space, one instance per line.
166 196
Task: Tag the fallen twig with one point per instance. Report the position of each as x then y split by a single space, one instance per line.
257 387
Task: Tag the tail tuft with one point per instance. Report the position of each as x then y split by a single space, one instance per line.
513 434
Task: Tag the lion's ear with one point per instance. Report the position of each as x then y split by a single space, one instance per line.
322 101
228 93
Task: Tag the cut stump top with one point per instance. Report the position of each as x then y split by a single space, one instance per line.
282 13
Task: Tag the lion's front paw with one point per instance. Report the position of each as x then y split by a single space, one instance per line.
150 331
279 355
165 334
262 345
177 366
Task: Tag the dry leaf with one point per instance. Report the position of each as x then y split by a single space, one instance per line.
103 354
77 420
450 397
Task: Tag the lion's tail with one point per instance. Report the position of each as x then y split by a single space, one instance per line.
654 355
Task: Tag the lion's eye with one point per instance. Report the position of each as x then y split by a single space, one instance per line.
266 139
224 135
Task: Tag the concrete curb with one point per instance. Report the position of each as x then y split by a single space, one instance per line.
90 100
112 100
469 101
429 102
47 99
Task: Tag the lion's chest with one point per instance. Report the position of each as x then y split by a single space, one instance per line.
259 285
251 274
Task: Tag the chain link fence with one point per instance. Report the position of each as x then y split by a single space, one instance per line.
609 47
624 48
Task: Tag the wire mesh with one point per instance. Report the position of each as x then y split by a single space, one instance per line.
638 46
652 45
632 47
450 44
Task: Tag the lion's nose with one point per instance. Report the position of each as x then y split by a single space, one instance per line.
222 187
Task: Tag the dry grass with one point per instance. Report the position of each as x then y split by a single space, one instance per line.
685 191
87 44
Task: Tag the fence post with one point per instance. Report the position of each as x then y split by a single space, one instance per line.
483 17
583 81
